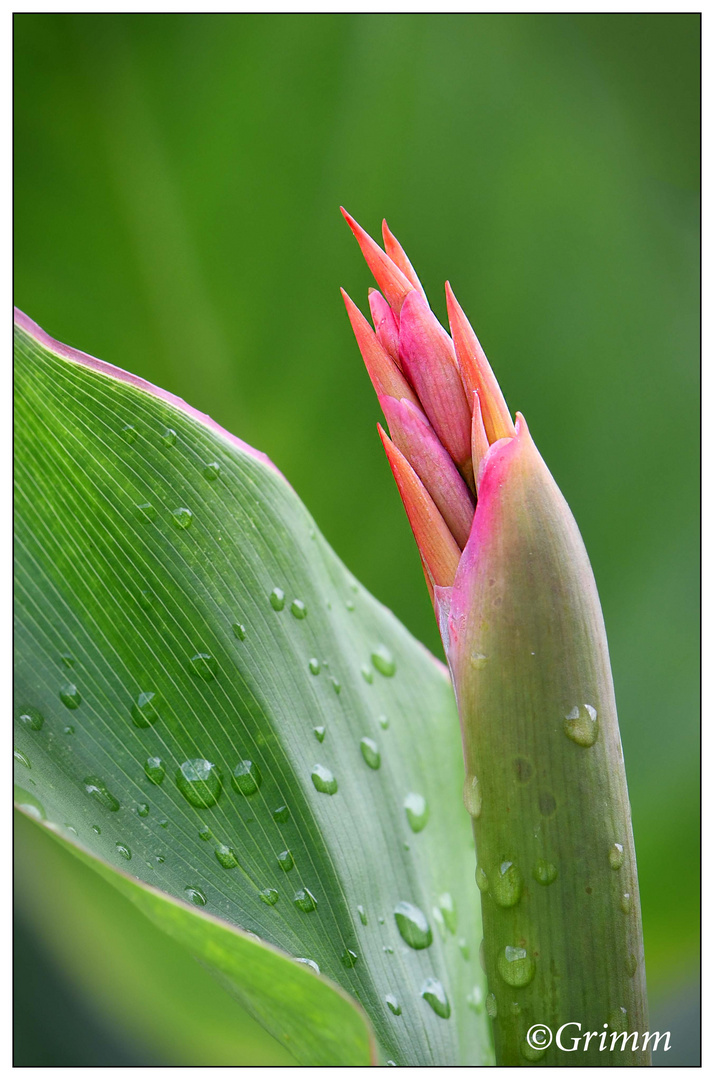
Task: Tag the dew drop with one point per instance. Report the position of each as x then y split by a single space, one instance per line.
128 433
67 659
478 660
413 925
155 769
314 666
507 885
324 780
240 631
22 759
616 856
212 471
474 999
481 879
319 733
70 696
182 517
433 992
195 896
304 900
143 809
298 609
387 948
226 857
146 512
281 814
69 730
472 797
285 861
626 903
417 811
370 752
144 712
515 966
100 793
348 958
393 1005
390 1062
308 963
164 823
384 722
269 896
31 718
205 833
123 850
204 666
581 725
448 911
384 661
362 915
544 872
336 686
367 674
199 781
246 777
169 437
492 1006
277 599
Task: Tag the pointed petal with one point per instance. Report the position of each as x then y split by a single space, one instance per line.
479 439
437 547
476 372
387 274
414 436
429 363
398 255
385 324
384 373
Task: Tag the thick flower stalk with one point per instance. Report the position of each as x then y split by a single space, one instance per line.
522 629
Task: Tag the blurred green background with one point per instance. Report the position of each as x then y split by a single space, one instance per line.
178 179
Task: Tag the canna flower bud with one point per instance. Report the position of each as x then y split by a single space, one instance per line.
522 629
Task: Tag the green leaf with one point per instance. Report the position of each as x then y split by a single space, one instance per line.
202 688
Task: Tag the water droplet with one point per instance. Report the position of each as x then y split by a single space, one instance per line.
370 752
524 769
143 809
304 900
387 948
123 850
212 471
367 674
433 992
336 686
349 604
478 660
99 791
617 1019
324 780
21 758
164 822
239 630
67 659
226 857
205 833
159 859
69 730
146 512
546 803
308 963
319 733
616 856
169 437
474 999
464 948
448 910
413 925
314 666
384 661
481 879
195 896
269 896
393 1005
515 966
544 872
281 814
128 433
349 958
285 860
144 712
390 1062
155 769
626 903
492 1006
473 800
507 885
581 725
631 964
182 517
31 718
532 1053
298 609
362 915
204 666
246 777
277 599
96 829
417 811
384 722
515 1009
70 696
199 781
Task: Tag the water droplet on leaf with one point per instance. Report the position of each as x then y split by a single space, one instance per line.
349 958
277 599
417 811
384 661
123 850
239 630
285 860
281 814
226 857
393 1005
70 696
246 777
212 471
616 856
314 666
199 781
545 872
144 712
182 517
434 993
154 769
146 512
204 666
319 733
298 609
370 752
304 900
515 966
413 925
324 780
195 896
581 725
31 718
100 793
507 885
269 896
472 797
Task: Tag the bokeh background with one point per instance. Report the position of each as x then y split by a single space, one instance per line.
178 179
